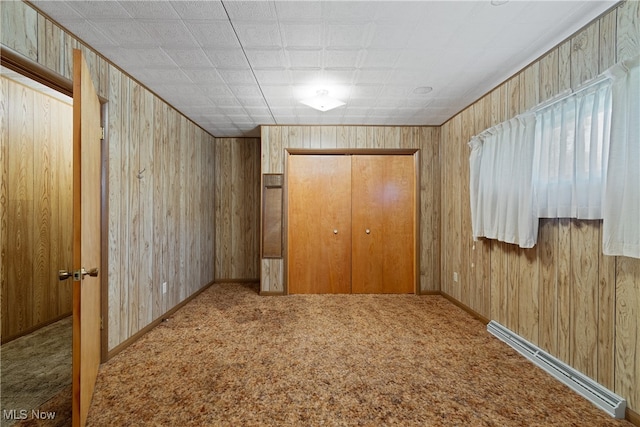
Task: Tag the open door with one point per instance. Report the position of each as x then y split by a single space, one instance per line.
87 135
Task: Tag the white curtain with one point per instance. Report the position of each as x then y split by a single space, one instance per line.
621 216
570 159
500 183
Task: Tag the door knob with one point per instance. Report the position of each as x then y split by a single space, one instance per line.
93 272
367 231
335 231
64 274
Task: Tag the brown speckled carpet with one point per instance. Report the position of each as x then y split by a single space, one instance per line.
233 358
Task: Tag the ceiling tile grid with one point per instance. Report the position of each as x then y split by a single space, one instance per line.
233 65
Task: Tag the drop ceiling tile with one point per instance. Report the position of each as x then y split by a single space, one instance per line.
227 57
169 33
258 35
282 111
307 35
240 76
342 58
372 76
224 102
149 9
390 36
400 12
380 58
401 45
396 91
305 77
277 90
349 11
366 91
279 102
100 10
125 34
213 33
200 10
339 76
208 76
249 91
179 89
304 58
266 58
136 58
217 91
253 102
250 10
156 77
194 57
273 77
297 11
353 36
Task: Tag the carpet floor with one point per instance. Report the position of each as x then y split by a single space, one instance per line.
33 369
233 358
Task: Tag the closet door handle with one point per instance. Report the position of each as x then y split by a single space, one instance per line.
335 231
367 231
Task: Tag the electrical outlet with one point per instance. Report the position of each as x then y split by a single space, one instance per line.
455 276
164 288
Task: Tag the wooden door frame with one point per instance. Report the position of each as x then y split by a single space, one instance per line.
415 152
33 70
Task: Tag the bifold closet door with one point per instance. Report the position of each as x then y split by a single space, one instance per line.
383 223
319 229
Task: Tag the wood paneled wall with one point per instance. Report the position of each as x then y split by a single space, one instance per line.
564 294
161 181
35 207
237 208
276 139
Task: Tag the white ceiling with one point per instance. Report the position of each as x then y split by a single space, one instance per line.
232 66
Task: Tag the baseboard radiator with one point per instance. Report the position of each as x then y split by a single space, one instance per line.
603 398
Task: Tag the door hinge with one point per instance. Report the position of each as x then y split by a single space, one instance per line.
101 132
101 323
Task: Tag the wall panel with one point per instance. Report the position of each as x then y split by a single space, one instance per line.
276 139
563 294
237 210
156 223
36 193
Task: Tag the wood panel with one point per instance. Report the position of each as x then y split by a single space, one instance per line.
140 210
628 30
36 144
319 195
563 294
4 198
237 211
383 224
20 28
275 139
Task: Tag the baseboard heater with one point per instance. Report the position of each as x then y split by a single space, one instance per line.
603 398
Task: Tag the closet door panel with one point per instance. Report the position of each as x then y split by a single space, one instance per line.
383 237
319 224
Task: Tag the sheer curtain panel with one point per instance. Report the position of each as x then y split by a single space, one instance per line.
500 183
621 213
570 158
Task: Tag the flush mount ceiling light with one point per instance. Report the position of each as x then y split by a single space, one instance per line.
322 101
422 90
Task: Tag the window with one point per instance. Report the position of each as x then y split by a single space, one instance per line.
569 163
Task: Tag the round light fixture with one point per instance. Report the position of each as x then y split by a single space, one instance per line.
422 90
